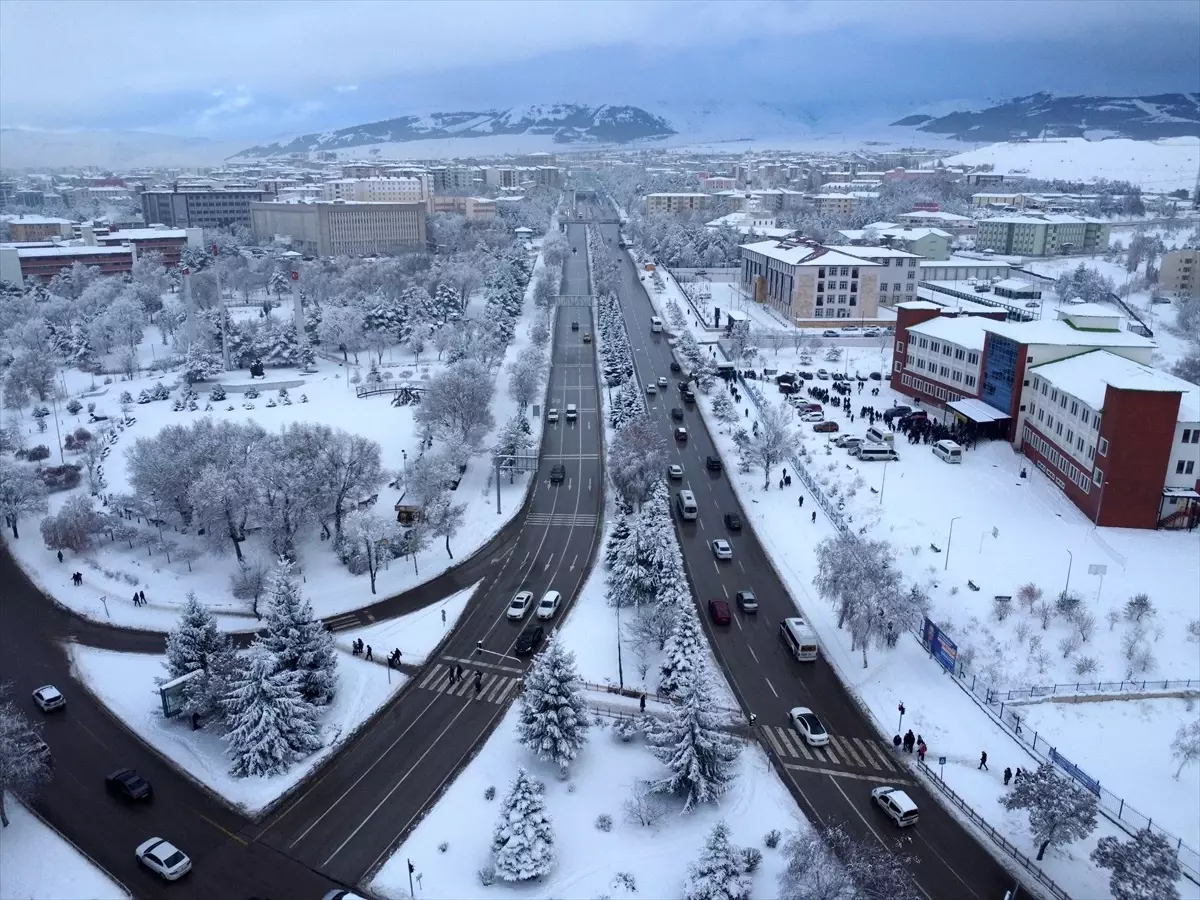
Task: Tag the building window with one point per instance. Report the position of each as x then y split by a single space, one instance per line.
1098 476
1083 417
899 347
1074 408
1058 429
1103 446
854 273
934 346
912 276
973 358
1187 435
1062 401
820 273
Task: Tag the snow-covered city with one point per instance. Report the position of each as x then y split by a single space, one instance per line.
777 489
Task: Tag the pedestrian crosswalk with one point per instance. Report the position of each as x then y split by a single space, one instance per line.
494 687
860 753
563 519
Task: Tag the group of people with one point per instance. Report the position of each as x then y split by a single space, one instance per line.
356 649
456 676
139 597
910 741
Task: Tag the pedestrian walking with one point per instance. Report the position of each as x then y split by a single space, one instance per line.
642 703
443 617
983 762
921 749
369 657
452 674
135 599
142 597
60 556
1007 775
457 672
814 517
896 743
909 741
478 682
801 498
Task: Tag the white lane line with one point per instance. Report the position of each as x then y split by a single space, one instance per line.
769 733
847 750
771 686
798 767
875 752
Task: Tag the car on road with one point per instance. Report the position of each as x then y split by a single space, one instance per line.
1032 304
733 521
689 395
662 382
529 640
163 859
574 326
681 434
683 385
587 337
549 604
813 417
651 389
805 721
552 416
825 427
872 332
675 367
822 374
48 698
127 784
722 549
829 332
557 473
675 471
746 601
676 413
847 441
713 463
719 610
896 805
519 605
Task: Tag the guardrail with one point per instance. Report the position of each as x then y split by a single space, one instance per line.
375 388
1038 692
1000 840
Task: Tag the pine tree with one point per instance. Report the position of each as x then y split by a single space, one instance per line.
446 304
683 655
1060 810
1144 868
523 842
718 874
195 643
297 639
699 755
270 723
553 720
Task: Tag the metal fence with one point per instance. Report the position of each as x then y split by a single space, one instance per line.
1079 688
979 822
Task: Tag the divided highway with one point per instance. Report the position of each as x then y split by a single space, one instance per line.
832 784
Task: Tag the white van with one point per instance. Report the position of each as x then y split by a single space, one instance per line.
687 504
801 640
572 412
948 451
874 452
878 436
656 324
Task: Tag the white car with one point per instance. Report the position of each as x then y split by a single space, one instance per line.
163 859
519 605
847 441
813 417
651 389
721 549
662 381
48 698
823 374
675 471
552 415
549 605
805 721
896 805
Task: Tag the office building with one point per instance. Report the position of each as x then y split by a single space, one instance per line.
673 204
342 228
43 263
37 228
1042 234
1179 274
203 208
808 283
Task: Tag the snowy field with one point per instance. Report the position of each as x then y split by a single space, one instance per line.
124 682
111 571
416 634
1162 165
587 859
37 863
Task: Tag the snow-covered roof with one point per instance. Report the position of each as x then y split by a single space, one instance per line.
142 234
805 254
36 220
962 331
964 261
72 250
935 216
1045 219
1091 311
917 304
1088 375
1055 332
874 252
1015 284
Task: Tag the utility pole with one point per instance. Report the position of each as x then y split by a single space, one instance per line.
188 307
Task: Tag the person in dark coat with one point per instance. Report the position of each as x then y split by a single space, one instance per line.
135 599
896 742
369 657
814 517
642 703
60 557
1007 775
983 761
142 597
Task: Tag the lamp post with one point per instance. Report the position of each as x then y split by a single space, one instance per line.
1070 563
883 484
949 538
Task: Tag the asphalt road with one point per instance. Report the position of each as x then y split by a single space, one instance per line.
360 807
832 785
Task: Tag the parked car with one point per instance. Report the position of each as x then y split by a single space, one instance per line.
48 698
896 805
552 415
822 374
719 610
872 332
128 785
529 640
829 332
662 382
519 605
805 721
813 417
825 427
676 413
557 473
683 385
875 376
1032 304
549 604
675 366
746 601
651 389
846 441
163 859
689 396
733 521
675 471
722 549
681 434
713 463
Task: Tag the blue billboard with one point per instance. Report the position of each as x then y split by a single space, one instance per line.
938 643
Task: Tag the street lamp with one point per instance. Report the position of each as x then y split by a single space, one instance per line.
1070 563
883 484
949 538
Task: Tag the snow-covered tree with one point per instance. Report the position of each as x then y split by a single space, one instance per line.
21 494
740 340
446 306
224 493
718 874
200 364
553 719
270 723
652 626
515 437
690 743
444 518
22 773
723 409
835 865
1060 810
774 442
73 526
456 405
684 650
1146 867
369 537
343 328
195 643
637 460
527 373
1185 746
297 639
523 842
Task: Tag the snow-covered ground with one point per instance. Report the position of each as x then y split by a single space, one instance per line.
38 863
588 860
416 634
111 571
124 682
1162 165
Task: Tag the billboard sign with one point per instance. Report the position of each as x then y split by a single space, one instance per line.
944 650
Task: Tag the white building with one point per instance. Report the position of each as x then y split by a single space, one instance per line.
898 271
379 190
946 354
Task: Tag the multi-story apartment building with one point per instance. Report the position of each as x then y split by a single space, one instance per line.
476 209
199 208
503 176
675 203
841 204
37 228
454 178
898 273
1042 234
167 241
341 228
712 183
43 263
8 193
988 198
1180 273
379 190
928 243
805 281
1077 395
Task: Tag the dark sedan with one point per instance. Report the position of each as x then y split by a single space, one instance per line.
529 640
676 413
719 610
733 521
127 784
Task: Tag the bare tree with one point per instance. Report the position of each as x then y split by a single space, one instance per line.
652 626
526 375
773 338
370 536
1185 746
249 582
774 442
456 404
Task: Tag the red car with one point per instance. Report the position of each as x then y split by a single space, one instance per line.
826 427
719 610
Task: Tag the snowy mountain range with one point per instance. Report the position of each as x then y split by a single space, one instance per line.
1046 115
563 123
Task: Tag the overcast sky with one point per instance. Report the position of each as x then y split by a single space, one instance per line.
268 68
